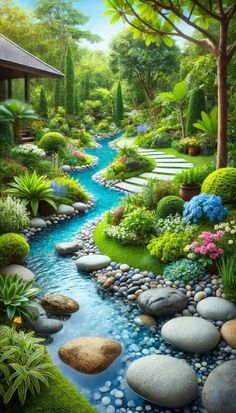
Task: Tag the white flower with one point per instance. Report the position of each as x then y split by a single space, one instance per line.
230 242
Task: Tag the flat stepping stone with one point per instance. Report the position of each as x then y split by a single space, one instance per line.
20 270
163 380
162 302
150 152
93 262
162 156
150 175
191 334
167 170
215 308
174 164
128 187
64 248
137 181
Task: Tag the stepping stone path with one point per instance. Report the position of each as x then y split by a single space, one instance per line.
167 167
93 262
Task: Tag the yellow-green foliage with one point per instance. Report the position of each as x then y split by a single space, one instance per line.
12 246
73 188
52 142
222 182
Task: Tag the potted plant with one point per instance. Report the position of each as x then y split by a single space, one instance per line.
184 145
194 147
189 181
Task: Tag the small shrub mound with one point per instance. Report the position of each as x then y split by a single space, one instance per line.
222 182
155 191
170 205
185 270
13 215
12 247
52 142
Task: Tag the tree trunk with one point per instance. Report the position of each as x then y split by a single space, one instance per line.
16 131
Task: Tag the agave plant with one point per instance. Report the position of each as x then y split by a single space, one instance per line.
24 364
32 189
16 112
16 295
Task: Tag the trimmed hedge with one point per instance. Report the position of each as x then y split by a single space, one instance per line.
222 182
12 246
170 205
52 142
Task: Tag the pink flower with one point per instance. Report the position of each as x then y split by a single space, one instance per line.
220 251
211 247
203 250
194 244
220 233
214 256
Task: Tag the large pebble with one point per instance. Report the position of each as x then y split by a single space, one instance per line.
20 270
93 262
59 304
215 308
46 326
228 332
38 223
80 206
164 380
161 302
64 248
65 209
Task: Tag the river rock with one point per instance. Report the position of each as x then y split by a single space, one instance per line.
191 334
64 248
215 308
23 272
219 391
93 262
66 168
161 302
145 320
65 209
36 310
90 355
228 332
46 326
38 223
80 206
59 304
164 380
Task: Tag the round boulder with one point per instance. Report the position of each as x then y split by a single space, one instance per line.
215 308
162 302
191 334
93 262
45 326
80 206
64 248
90 355
164 380
59 304
38 223
20 270
219 391
228 332
65 209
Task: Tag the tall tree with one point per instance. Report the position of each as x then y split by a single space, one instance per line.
76 100
57 94
69 83
195 107
119 105
43 104
156 20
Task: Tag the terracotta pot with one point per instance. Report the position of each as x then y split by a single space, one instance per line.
187 192
212 269
193 150
185 150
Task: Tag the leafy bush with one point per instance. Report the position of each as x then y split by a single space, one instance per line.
52 142
9 168
74 190
28 149
16 295
161 141
170 205
208 124
172 223
170 246
190 176
222 182
24 365
32 189
145 140
204 206
185 270
13 215
12 247
227 270
155 191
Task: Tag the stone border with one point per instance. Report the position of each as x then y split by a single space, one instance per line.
68 168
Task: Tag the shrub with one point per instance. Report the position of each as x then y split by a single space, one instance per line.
185 270
204 206
155 191
13 215
161 141
144 141
222 182
190 176
74 190
16 295
170 246
170 205
28 154
52 142
195 107
227 270
12 247
32 189
9 168
6 138
172 223
24 364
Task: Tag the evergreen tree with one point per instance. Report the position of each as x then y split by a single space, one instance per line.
195 107
119 105
43 104
6 138
69 83
76 101
57 94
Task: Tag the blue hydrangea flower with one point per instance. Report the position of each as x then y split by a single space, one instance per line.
58 189
204 205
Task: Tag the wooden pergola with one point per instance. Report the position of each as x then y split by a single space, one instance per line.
17 63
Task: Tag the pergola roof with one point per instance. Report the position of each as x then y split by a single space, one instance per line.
16 63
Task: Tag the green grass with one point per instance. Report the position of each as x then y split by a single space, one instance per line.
135 256
199 160
109 174
60 397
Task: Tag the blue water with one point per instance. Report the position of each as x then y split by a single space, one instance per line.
99 314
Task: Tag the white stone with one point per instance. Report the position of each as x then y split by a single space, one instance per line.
93 262
65 209
215 308
38 223
66 168
64 248
80 206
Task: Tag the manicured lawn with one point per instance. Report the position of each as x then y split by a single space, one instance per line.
60 397
134 256
199 160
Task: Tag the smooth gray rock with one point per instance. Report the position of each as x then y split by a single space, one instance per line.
64 248
164 380
36 311
66 168
38 223
215 308
191 334
65 209
46 326
80 206
93 262
219 391
161 302
23 272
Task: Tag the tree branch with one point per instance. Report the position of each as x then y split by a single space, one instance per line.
206 10
231 50
221 8
230 13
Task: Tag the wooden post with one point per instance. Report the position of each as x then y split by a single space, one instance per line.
2 90
9 89
27 88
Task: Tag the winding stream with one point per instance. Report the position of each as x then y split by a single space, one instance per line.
99 314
